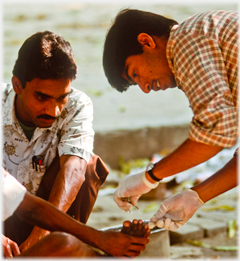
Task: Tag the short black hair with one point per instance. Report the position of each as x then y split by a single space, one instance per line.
45 55
121 41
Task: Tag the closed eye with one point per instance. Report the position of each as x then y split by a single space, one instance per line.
134 74
129 78
63 97
42 97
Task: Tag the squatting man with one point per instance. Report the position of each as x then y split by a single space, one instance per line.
48 135
48 148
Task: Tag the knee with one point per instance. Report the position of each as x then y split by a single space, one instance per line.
66 242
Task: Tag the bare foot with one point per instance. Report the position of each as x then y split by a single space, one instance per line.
135 228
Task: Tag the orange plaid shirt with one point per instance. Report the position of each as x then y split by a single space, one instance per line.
202 52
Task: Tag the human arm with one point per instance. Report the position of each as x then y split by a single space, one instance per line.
65 188
178 209
222 181
187 155
41 213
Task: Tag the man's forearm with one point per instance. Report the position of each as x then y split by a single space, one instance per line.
222 181
64 190
68 182
39 212
187 155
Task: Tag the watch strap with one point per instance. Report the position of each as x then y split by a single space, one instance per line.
152 175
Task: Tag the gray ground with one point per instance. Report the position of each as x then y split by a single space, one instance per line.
106 214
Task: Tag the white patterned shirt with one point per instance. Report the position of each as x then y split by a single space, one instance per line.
70 134
202 52
12 194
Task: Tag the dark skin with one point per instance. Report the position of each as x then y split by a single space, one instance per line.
135 228
196 153
129 242
39 103
150 69
65 188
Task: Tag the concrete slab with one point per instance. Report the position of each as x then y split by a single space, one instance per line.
186 232
138 143
211 227
158 246
219 216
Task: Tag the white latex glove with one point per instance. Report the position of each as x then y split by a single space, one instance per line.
175 211
132 186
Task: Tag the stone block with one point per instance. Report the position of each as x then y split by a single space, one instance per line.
137 143
219 216
211 227
186 232
158 246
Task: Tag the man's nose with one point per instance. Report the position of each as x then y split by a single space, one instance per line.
53 109
145 87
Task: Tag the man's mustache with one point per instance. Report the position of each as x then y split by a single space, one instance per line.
46 117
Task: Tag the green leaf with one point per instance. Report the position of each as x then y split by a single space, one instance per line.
232 227
217 248
122 109
94 92
126 167
198 243
222 207
226 248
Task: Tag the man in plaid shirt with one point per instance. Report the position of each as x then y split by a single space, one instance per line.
200 57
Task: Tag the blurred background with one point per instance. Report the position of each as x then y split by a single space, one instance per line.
122 121
131 128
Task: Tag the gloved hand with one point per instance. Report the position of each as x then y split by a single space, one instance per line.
175 211
132 186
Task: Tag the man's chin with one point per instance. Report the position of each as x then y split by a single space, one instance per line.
44 124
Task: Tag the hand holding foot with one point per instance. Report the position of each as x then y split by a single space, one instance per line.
135 228
129 242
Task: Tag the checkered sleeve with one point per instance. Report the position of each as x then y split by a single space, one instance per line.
205 83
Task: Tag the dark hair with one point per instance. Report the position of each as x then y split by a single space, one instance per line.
121 41
45 55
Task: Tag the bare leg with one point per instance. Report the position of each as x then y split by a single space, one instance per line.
135 228
59 244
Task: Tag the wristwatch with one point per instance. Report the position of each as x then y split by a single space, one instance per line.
149 170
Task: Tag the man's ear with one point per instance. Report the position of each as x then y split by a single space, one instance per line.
17 85
146 41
